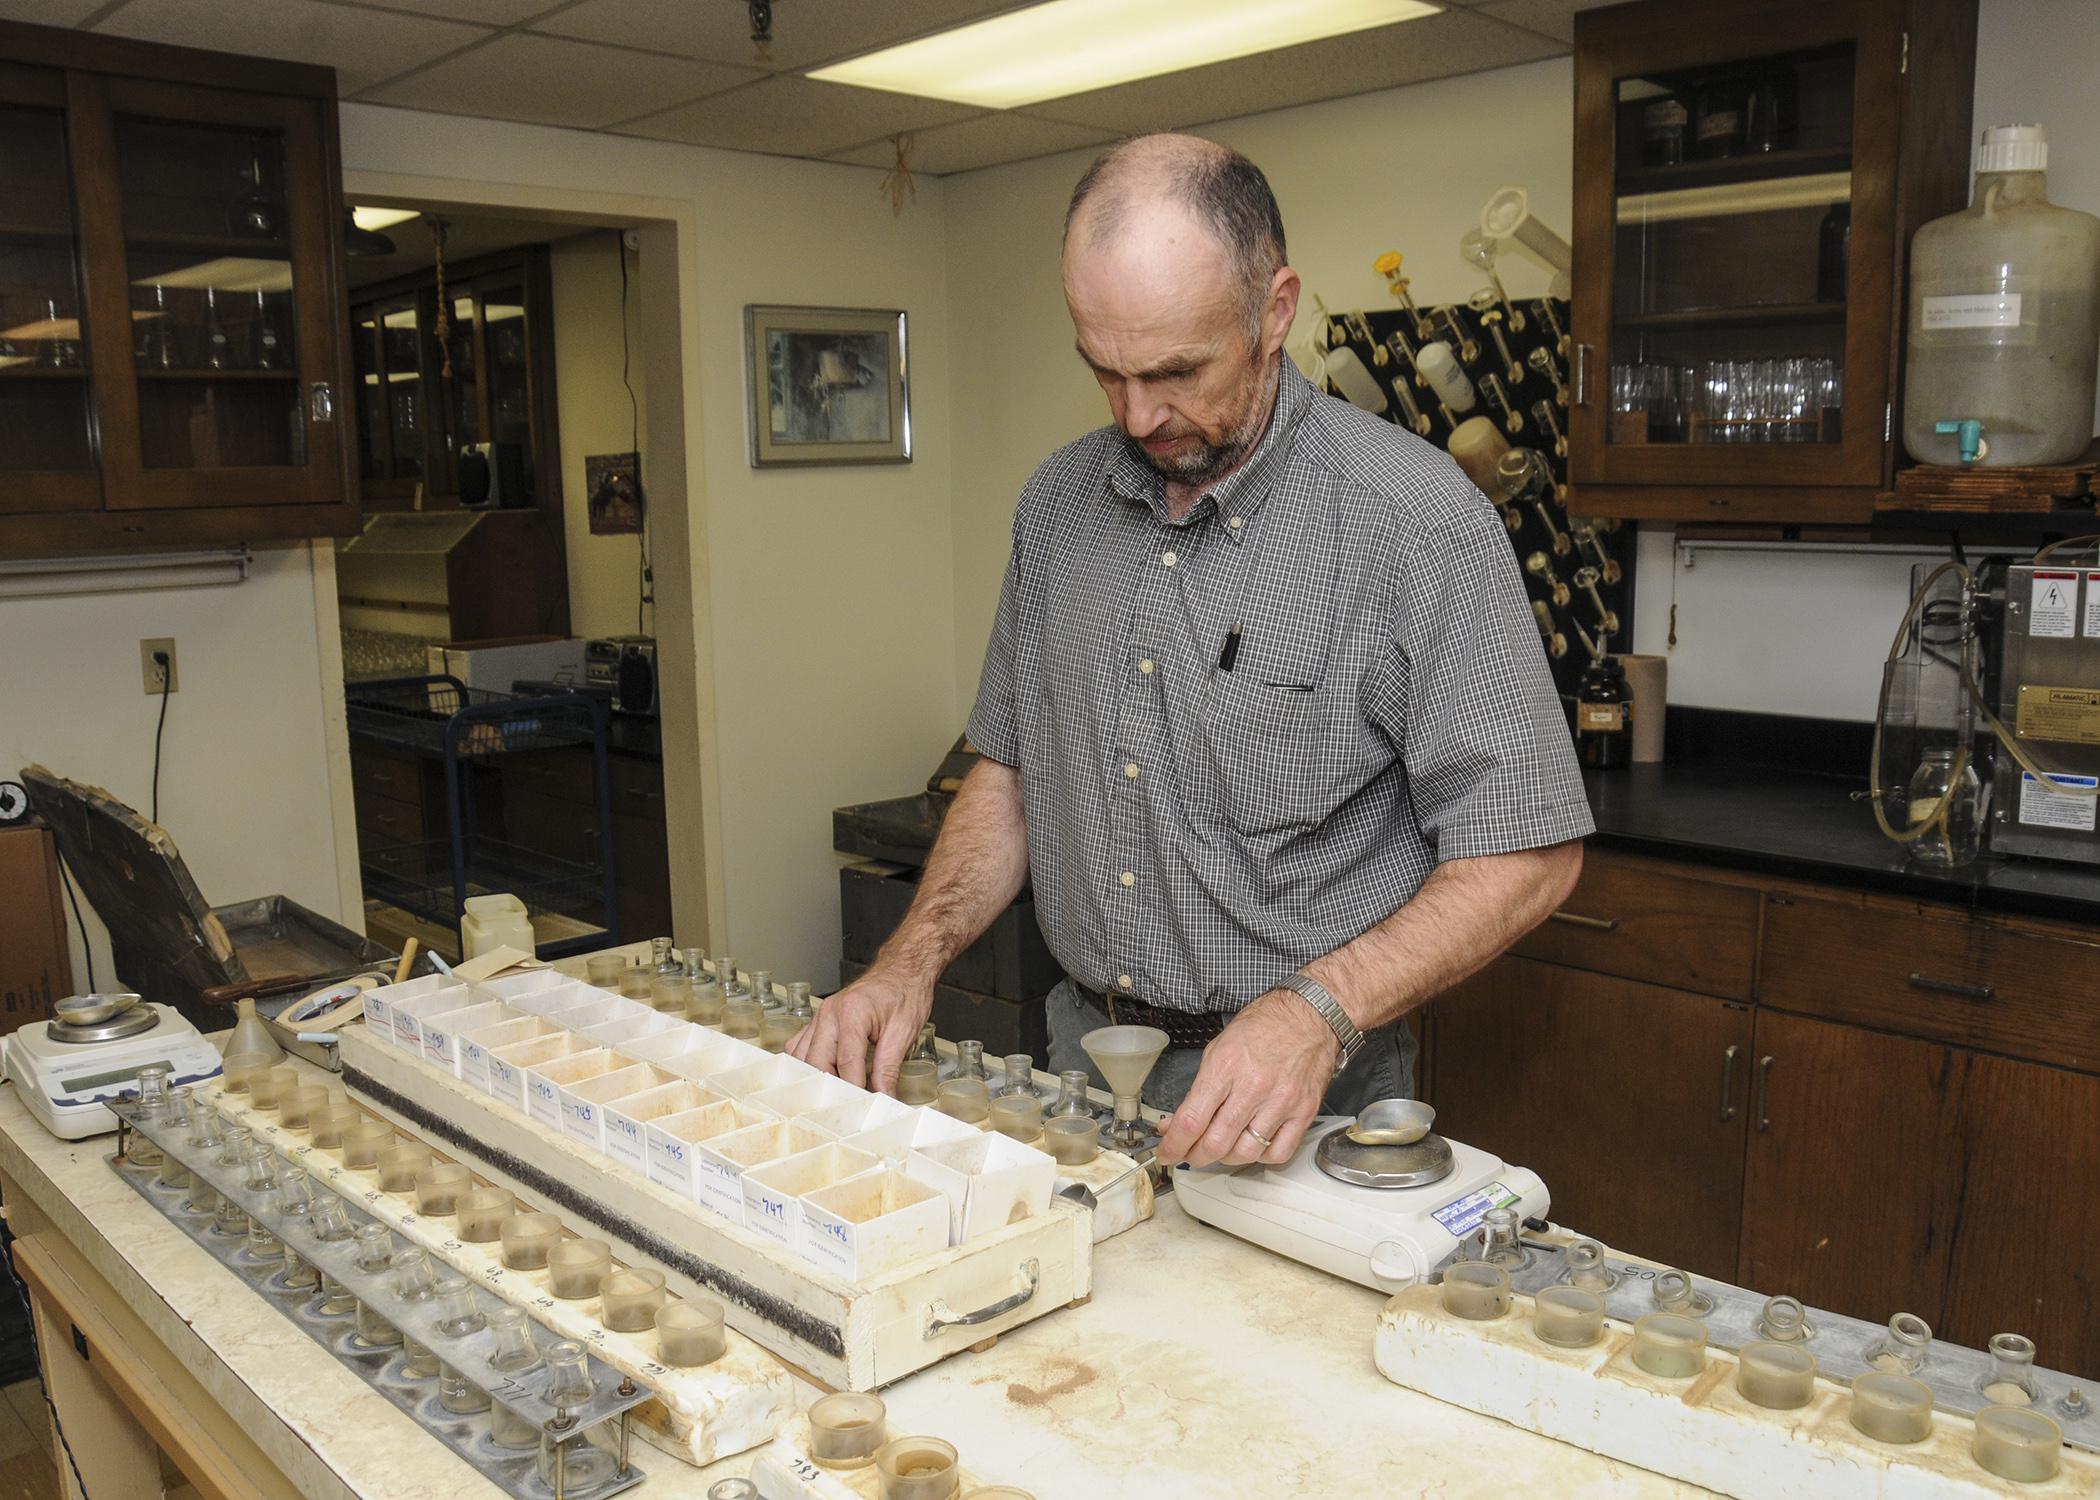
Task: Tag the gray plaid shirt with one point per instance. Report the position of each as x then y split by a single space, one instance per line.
1196 834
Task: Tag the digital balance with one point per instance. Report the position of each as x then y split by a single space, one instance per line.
66 1069
1379 1199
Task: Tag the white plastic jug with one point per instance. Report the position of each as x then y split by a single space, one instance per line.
493 922
2004 319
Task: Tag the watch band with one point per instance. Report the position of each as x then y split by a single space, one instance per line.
1315 994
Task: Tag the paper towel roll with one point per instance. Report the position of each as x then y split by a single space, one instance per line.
1648 680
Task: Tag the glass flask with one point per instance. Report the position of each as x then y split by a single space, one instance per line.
262 1244
230 1219
569 1464
156 342
298 1271
181 1115
969 1062
459 1395
335 1297
375 1247
374 1330
1018 1076
511 1350
266 345
2011 1381
667 963
421 1363
725 974
924 1047
218 349
1947 795
414 1280
459 1310
1903 1351
761 988
331 1220
1071 1095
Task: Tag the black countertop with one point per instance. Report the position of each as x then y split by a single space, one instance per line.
1777 796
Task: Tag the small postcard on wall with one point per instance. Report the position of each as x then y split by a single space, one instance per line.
613 481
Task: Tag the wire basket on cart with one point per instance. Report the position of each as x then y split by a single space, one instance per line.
441 719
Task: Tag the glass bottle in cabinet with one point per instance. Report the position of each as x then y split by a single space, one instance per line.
47 415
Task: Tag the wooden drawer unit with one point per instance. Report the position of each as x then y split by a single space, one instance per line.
1644 919
1999 984
379 774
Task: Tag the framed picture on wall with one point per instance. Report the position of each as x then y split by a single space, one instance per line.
828 385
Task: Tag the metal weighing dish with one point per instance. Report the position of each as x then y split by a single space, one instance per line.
85 1019
1417 1163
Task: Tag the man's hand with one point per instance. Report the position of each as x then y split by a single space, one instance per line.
874 1011
1266 1073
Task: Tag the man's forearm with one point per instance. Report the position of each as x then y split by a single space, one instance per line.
1466 913
978 865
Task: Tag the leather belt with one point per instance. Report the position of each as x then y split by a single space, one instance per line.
1184 1028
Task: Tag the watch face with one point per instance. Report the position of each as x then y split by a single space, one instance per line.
14 802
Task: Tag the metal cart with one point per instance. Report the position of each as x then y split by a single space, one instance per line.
442 719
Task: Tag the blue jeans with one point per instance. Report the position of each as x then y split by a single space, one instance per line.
1384 1068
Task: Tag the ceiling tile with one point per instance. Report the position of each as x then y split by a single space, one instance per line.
487 12
363 46
1434 47
805 33
550 82
986 141
790 116
1554 18
51 12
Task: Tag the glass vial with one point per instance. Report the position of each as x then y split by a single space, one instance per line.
969 1062
726 976
1499 1241
846 1429
665 957
2011 1381
1784 1320
375 1247
1017 1076
1903 1351
374 1331
924 1047
414 1280
458 1307
1604 716
420 1363
1586 1268
761 988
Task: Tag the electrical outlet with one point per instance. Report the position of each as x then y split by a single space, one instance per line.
150 670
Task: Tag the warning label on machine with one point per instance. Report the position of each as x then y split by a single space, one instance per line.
2092 604
2053 610
2059 713
2045 807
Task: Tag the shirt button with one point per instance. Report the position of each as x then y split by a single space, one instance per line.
1145 666
1122 981
1128 877
1234 522
1168 559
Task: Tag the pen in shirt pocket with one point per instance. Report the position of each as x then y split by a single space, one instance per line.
1231 653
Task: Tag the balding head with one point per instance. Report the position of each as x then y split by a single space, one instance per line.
1156 184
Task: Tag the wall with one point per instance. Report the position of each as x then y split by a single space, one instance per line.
244 782
821 629
594 417
1782 633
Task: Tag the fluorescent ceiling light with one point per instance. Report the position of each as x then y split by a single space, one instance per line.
366 217
1071 46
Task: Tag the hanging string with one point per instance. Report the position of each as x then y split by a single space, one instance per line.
897 184
442 332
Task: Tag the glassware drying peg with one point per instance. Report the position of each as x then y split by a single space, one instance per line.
1511 518
1560 334
1396 343
1491 320
1541 359
1417 419
1477 249
1592 545
1542 413
1468 347
1561 545
1594 647
1511 417
1388 266
1607 619
1540 566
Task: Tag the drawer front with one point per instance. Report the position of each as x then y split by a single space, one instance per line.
564 773
1640 919
1998 984
378 775
383 822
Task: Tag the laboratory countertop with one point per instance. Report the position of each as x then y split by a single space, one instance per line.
1734 793
1202 1367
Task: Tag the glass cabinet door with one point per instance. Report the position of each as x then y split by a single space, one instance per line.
47 409
1742 336
218 266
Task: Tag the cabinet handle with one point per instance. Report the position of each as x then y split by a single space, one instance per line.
1728 1083
321 405
1949 987
1582 374
1764 1093
1594 924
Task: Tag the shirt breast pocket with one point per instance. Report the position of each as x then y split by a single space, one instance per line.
1273 757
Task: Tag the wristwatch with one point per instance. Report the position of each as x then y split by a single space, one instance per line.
1315 994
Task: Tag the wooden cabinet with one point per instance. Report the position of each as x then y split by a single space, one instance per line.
1747 180
171 307
1627 1098
1899 1119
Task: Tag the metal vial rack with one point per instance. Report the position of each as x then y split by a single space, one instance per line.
516 1471
1843 1347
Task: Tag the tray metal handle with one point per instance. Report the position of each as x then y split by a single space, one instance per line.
940 1317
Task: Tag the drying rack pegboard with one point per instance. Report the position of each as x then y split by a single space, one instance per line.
1578 571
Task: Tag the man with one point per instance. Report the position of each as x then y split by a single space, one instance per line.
1264 715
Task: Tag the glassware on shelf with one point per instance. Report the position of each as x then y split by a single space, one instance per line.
1665 124
59 348
1769 401
256 214
156 341
218 349
512 1351
265 344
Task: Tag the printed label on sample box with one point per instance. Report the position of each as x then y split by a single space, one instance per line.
2053 606
2044 807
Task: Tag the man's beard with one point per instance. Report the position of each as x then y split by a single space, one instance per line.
1207 462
